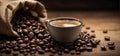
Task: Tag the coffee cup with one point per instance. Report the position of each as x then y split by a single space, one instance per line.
64 29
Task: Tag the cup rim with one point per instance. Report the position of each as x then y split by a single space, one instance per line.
65 18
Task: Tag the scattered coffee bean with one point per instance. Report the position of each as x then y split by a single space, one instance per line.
103 48
72 52
92 31
51 54
66 50
41 51
89 48
59 53
78 52
15 53
88 28
110 43
112 47
107 38
105 31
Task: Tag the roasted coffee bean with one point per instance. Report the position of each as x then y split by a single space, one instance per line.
22 45
105 31
51 54
59 53
21 50
78 53
72 52
33 49
110 43
20 41
37 40
16 48
41 43
25 54
40 36
8 42
81 48
103 48
46 49
97 41
87 28
41 51
7 50
89 44
92 31
107 38
33 45
28 23
23 26
112 47
53 51
15 53
26 40
93 35
66 50
25 31
85 32
89 48
28 50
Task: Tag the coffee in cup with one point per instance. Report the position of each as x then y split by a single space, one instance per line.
64 29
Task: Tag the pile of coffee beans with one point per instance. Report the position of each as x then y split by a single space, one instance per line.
35 38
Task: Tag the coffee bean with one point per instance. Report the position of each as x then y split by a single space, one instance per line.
23 26
59 53
7 50
33 49
20 41
26 40
51 54
97 41
25 54
53 51
28 23
89 44
66 50
46 49
112 47
8 42
92 31
15 53
40 36
41 51
28 50
78 53
103 48
41 43
21 51
87 28
105 31
16 48
81 48
72 52
23 45
93 35
110 43
107 38
89 48
25 31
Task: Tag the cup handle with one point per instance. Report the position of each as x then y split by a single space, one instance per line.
46 23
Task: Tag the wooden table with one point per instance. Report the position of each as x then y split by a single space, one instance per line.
98 21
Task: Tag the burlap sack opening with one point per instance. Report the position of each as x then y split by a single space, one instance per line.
9 8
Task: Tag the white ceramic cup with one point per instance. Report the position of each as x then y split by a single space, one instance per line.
64 34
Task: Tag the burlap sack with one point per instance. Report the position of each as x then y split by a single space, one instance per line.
8 9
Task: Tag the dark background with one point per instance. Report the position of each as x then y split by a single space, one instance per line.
81 4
